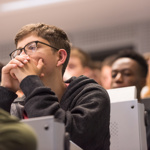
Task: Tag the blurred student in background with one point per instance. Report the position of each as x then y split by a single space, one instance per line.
95 66
145 93
78 64
129 69
106 71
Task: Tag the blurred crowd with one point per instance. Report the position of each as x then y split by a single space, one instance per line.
81 63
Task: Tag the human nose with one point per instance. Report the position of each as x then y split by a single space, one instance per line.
119 77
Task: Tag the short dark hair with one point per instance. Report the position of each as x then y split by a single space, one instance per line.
136 57
108 61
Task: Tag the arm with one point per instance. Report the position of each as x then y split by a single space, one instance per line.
9 86
6 98
87 117
9 82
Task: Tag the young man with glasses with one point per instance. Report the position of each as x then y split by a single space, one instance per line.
37 67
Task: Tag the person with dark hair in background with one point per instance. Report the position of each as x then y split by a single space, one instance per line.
130 69
37 66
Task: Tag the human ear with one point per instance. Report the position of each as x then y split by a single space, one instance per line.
62 55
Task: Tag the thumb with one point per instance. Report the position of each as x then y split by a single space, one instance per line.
12 74
40 64
40 67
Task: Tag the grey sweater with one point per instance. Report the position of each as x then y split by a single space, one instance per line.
84 108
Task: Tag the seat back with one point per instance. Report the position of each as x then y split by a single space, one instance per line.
127 126
50 133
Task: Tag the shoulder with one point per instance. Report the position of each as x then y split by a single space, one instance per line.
81 81
86 85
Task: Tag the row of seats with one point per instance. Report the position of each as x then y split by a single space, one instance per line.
127 126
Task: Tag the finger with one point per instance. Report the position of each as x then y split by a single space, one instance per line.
42 75
40 64
17 62
12 74
8 67
22 58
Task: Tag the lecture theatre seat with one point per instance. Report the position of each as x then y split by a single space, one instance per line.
127 125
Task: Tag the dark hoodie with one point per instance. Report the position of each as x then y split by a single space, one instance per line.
84 108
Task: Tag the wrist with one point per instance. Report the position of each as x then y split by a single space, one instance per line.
9 86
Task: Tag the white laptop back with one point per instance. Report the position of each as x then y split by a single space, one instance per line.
50 133
127 126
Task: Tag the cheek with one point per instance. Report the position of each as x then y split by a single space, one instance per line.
37 56
34 60
130 81
47 58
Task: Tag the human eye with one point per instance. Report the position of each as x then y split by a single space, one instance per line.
113 74
127 72
16 53
31 47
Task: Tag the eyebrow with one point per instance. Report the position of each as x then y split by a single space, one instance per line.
120 70
25 45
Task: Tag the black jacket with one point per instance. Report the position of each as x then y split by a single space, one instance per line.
84 108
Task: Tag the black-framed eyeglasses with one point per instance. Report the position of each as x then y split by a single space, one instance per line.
29 49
